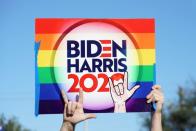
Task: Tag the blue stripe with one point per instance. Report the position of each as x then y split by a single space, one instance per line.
142 92
37 84
52 91
153 103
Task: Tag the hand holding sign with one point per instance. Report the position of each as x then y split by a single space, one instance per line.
73 111
156 95
120 93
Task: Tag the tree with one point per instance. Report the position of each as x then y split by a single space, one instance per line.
11 124
181 115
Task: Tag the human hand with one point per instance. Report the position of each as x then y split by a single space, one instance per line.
120 93
73 111
156 95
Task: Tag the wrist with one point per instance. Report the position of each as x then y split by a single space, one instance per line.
119 107
67 126
157 112
159 107
119 103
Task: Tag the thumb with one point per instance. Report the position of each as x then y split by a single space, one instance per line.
89 116
133 90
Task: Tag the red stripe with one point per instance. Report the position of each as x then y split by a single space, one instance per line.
137 25
105 55
106 48
52 25
105 41
56 25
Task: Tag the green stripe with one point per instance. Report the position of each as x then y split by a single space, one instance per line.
142 73
146 74
46 75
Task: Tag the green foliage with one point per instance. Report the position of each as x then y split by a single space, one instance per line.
11 124
181 115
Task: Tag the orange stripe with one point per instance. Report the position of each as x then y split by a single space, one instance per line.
47 41
56 25
144 40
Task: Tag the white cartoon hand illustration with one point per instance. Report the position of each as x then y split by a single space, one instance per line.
120 93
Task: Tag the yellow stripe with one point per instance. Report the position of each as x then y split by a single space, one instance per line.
145 56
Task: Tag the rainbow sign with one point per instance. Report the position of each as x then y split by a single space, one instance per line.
73 53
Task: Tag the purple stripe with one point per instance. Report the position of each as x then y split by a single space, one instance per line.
138 105
51 106
57 106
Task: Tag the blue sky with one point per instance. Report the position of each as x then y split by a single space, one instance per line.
175 52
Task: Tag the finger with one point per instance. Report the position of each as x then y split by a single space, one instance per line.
73 107
152 92
89 116
157 92
117 90
150 100
158 96
149 95
69 108
154 98
112 90
121 88
111 83
125 82
64 95
158 87
113 94
134 89
65 109
81 96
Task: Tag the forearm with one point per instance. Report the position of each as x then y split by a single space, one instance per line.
156 124
120 107
67 126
